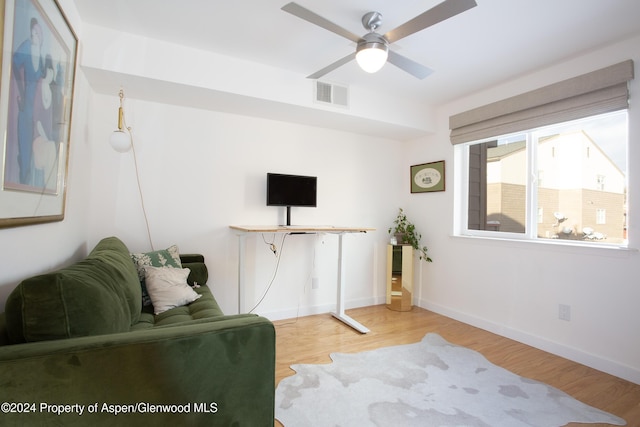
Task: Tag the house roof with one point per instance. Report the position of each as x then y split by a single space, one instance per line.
501 151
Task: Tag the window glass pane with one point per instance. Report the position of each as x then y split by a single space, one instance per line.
583 192
498 185
577 191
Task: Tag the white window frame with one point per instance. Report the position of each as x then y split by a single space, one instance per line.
461 198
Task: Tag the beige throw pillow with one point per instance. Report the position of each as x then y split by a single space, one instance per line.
168 288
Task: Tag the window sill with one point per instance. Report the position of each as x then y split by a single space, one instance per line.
574 247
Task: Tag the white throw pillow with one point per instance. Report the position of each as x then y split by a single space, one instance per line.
169 257
168 288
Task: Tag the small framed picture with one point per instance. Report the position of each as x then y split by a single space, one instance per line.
427 177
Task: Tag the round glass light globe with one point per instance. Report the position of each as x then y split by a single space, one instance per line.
371 60
120 141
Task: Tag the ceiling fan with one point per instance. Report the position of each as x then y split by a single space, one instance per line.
372 50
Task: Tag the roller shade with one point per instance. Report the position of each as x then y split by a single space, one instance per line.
598 92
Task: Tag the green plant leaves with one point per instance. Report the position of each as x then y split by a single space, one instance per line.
411 236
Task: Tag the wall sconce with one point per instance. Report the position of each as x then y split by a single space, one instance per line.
121 140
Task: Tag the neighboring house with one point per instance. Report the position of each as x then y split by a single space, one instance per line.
581 192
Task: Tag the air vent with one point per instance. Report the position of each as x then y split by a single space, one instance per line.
330 93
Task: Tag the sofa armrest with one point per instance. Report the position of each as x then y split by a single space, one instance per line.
216 372
191 258
199 272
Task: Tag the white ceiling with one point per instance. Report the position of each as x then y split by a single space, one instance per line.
495 41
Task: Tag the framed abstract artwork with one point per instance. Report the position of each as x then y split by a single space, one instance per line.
427 177
36 91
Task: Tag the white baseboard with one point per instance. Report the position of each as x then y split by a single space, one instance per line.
605 365
320 309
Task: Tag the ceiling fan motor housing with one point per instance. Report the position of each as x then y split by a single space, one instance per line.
372 41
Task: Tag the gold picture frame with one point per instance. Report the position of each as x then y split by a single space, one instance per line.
37 73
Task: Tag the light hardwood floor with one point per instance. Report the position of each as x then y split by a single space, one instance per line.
311 339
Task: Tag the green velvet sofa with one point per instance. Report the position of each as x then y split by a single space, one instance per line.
79 348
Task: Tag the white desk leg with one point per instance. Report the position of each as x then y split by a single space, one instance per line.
340 314
241 283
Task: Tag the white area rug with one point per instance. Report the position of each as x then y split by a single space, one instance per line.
430 383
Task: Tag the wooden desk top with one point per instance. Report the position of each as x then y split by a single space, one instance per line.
299 229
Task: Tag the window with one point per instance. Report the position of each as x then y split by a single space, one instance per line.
549 163
565 198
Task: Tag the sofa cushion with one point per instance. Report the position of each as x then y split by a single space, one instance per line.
204 307
98 295
168 288
169 257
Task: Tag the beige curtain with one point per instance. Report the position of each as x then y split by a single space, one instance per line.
598 92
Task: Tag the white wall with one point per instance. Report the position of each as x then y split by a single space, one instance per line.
515 288
201 171
181 75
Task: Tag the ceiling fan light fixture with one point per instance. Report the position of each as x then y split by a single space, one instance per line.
371 55
372 49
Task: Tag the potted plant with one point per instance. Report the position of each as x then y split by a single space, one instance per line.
406 232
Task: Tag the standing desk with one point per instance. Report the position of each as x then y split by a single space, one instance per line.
244 230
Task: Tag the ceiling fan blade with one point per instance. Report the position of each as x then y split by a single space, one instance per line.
439 13
417 70
303 13
329 68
